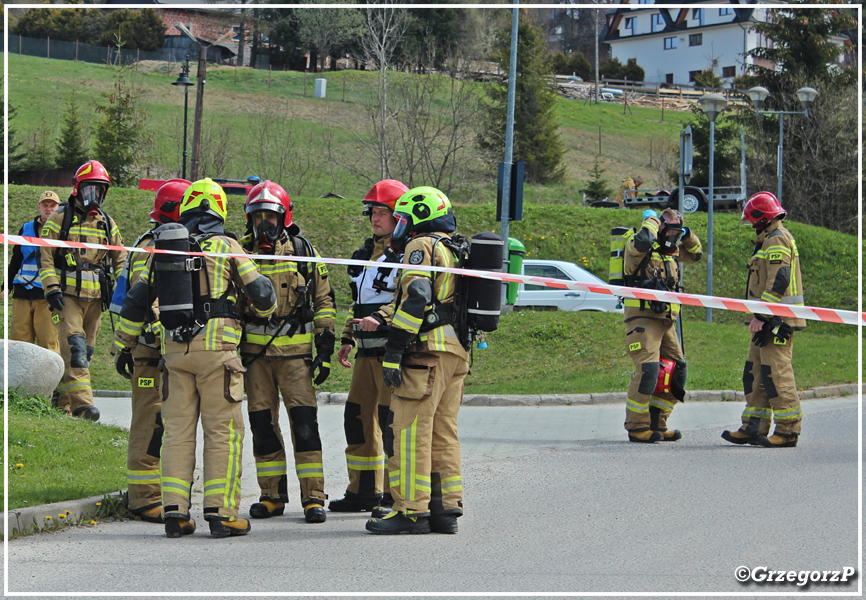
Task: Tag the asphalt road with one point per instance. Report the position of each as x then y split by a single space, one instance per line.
557 502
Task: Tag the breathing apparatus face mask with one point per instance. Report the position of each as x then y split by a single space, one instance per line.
670 239
267 228
91 195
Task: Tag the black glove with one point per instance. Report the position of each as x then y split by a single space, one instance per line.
324 344
124 363
763 337
323 364
783 332
55 300
393 376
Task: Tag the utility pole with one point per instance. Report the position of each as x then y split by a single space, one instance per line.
199 105
509 135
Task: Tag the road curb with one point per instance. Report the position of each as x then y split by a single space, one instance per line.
570 399
608 397
53 516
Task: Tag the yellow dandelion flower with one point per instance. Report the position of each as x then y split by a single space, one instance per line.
62 516
19 465
99 504
93 522
68 512
48 517
542 237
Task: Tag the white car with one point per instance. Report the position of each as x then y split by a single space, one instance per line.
537 295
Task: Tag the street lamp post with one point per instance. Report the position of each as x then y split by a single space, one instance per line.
184 83
712 105
199 94
759 94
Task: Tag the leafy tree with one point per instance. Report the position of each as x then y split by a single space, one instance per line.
536 135
118 133
575 64
15 150
820 165
72 146
726 153
136 30
614 69
802 44
321 29
708 79
41 156
597 188
431 36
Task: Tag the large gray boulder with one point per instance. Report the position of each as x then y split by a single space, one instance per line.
33 370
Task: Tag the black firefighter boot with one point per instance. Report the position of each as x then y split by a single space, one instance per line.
747 434
176 527
441 521
778 440
398 522
383 507
352 502
668 435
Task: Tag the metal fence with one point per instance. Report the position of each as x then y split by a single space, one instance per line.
175 50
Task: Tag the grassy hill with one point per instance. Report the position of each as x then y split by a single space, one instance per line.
567 352
238 102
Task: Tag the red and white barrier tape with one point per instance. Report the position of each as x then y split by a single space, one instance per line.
812 313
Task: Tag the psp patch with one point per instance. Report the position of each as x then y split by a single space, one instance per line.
634 347
146 382
416 257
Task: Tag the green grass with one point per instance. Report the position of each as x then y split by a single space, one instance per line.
238 107
544 352
53 458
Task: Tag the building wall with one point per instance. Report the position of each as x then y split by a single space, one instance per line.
724 43
206 25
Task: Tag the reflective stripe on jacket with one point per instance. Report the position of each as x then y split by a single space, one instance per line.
286 279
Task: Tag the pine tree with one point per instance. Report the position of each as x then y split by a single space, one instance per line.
72 146
597 188
118 133
536 135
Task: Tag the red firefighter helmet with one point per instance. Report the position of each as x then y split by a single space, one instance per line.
385 193
270 196
666 369
762 208
92 176
166 204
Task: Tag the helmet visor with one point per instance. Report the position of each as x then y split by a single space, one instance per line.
402 230
92 193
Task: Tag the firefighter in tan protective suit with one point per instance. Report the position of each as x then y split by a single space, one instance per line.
425 362
283 353
145 426
77 282
629 186
369 439
200 322
768 378
651 262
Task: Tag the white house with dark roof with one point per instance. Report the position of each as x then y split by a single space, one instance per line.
674 43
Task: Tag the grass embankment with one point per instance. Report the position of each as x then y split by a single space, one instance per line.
239 103
568 352
53 458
